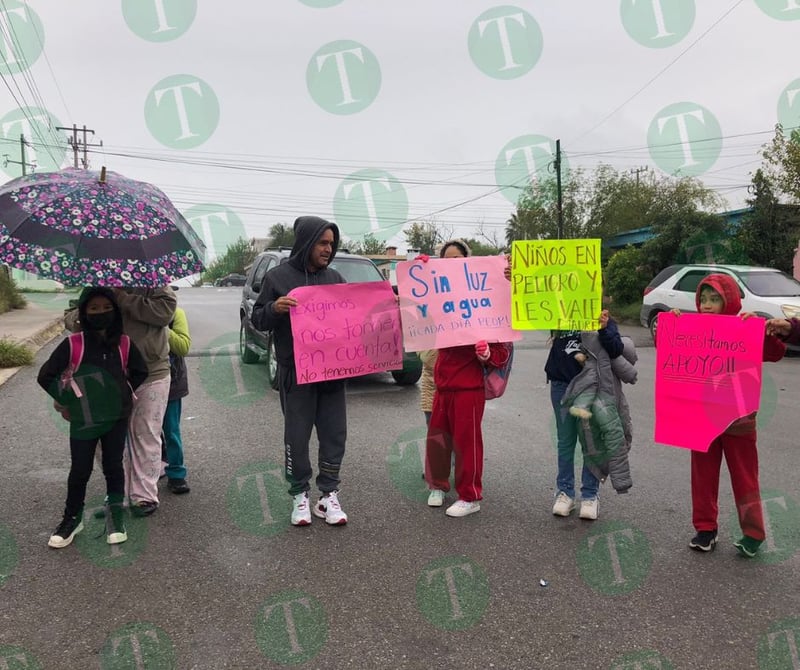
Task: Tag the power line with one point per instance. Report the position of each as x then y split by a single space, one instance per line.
27 76
25 69
50 68
658 74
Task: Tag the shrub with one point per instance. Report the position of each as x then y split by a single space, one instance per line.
625 281
13 355
10 296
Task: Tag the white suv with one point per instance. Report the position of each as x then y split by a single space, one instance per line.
765 291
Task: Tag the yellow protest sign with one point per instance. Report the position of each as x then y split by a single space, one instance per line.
556 285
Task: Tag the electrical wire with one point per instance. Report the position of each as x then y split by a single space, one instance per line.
658 74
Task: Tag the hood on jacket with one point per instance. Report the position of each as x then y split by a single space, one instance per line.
727 287
114 331
456 242
307 230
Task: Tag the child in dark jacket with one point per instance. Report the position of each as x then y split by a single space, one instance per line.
719 294
562 366
96 399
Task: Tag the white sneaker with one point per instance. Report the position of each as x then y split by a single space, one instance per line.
328 508
301 514
589 509
463 508
436 498
563 505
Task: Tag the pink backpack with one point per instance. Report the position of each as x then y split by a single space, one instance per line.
76 347
495 380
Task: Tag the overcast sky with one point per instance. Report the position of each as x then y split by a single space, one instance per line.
375 112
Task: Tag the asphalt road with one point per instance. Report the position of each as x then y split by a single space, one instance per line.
218 579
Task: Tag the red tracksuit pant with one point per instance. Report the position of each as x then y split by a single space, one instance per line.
455 427
741 456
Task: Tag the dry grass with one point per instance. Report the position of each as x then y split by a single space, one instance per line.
13 355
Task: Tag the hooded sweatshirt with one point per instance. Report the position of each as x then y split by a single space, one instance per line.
774 349
287 276
106 387
146 314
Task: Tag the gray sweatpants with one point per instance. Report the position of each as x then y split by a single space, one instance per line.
305 406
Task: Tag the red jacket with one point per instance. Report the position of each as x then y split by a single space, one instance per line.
774 349
458 368
794 334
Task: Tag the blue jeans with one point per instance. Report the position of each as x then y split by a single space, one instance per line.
567 430
172 439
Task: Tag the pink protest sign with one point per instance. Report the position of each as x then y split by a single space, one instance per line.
345 330
446 302
708 374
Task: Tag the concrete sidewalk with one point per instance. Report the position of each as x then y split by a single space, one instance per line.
33 326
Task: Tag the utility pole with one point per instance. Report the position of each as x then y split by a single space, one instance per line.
75 143
560 208
636 171
22 162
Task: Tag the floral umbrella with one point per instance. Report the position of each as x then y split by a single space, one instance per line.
82 227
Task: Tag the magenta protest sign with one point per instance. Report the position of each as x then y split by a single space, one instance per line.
345 330
708 374
446 302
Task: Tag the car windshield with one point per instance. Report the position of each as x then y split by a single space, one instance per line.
356 270
770 284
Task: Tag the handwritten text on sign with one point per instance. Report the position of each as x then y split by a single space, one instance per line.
556 284
447 302
708 374
345 330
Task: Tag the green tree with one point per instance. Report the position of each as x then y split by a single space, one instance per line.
598 205
625 282
478 248
782 164
684 230
770 232
536 217
369 246
236 258
281 235
426 236
617 202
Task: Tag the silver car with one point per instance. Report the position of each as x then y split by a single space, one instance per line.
765 291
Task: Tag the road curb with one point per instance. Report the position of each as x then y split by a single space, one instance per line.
35 342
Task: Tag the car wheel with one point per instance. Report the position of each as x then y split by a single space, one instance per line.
653 325
245 353
228 284
272 364
404 378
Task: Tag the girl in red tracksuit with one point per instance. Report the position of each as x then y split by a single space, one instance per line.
455 425
719 294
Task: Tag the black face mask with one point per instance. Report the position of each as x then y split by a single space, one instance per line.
99 321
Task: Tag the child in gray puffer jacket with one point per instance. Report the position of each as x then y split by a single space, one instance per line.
595 396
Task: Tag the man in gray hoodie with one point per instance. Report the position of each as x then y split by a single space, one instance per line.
306 406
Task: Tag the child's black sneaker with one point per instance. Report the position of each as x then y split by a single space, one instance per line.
747 546
178 486
705 540
69 527
143 508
